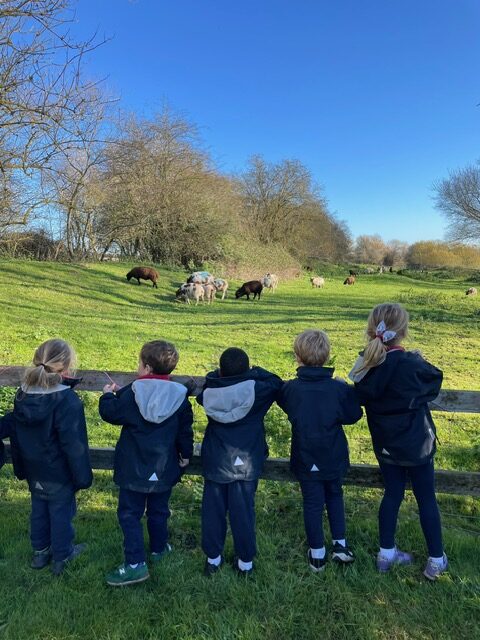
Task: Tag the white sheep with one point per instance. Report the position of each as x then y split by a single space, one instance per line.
317 281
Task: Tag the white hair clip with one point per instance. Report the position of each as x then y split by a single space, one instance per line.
383 334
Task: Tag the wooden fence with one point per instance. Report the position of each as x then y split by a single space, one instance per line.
454 482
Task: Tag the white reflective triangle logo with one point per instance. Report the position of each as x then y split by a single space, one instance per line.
153 477
238 462
314 468
385 452
38 486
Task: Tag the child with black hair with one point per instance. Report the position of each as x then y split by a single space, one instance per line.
236 398
155 444
317 407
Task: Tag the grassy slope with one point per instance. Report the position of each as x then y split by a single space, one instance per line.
108 320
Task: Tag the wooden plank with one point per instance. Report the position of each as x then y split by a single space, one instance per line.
449 400
362 475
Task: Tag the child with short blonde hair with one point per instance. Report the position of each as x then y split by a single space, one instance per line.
317 407
395 387
48 424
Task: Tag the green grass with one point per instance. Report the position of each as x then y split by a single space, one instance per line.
107 320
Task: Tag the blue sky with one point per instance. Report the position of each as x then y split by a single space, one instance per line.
377 97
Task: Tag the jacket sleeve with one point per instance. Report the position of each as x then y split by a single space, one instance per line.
184 439
72 433
17 460
282 397
351 409
6 425
428 379
113 406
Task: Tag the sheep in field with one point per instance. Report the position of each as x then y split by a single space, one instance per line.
247 288
190 291
349 280
200 277
221 285
270 281
471 292
317 281
143 273
209 293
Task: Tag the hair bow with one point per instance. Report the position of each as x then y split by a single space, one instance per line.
383 334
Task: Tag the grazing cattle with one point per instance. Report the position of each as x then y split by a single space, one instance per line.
200 277
143 273
471 292
210 291
317 281
221 285
247 288
270 281
190 291
349 280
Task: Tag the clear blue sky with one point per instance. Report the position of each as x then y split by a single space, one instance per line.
377 97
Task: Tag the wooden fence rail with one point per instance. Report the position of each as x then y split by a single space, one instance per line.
364 475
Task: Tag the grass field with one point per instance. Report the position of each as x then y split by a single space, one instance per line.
107 320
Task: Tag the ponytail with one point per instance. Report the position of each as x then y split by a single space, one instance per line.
50 360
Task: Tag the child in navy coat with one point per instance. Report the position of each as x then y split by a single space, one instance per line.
317 407
236 399
49 448
155 444
395 386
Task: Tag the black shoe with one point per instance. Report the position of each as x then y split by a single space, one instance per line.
58 566
316 564
41 559
241 572
211 569
341 554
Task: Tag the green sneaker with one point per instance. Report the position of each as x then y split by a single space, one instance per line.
125 574
157 556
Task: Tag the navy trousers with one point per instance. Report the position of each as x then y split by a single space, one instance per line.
51 525
238 499
423 486
316 495
131 508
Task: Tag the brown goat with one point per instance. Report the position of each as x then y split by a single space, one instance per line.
143 273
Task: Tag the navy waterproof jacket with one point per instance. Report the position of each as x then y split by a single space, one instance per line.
317 407
234 446
49 441
396 395
157 418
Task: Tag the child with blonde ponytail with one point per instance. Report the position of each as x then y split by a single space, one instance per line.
395 387
50 450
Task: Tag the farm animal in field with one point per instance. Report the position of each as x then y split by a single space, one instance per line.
270 281
471 292
221 286
143 273
190 291
353 273
369 270
317 282
254 287
349 280
201 277
209 292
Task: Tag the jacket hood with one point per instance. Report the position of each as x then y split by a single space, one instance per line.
157 400
230 403
314 373
214 379
32 406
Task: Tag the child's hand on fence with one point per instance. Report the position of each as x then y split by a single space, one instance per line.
183 462
110 388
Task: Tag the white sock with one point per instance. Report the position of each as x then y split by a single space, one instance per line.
215 561
318 554
244 566
440 561
389 554
342 541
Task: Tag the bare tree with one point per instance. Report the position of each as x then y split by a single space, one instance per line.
43 97
370 249
458 198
